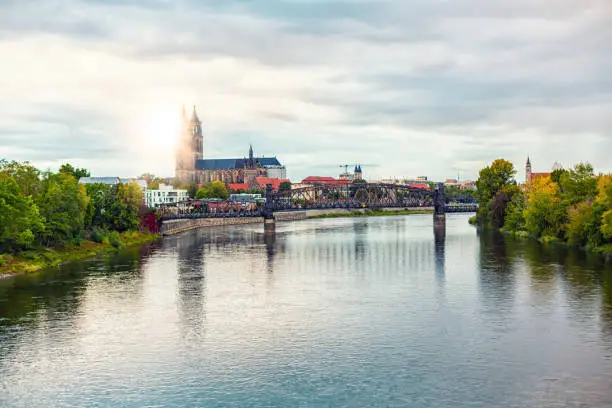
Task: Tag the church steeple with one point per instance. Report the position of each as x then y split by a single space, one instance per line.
194 116
528 171
251 153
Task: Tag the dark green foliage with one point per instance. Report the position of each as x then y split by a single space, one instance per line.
192 190
284 186
20 220
74 172
63 204
491 180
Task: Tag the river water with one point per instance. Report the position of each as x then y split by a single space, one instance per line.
353 312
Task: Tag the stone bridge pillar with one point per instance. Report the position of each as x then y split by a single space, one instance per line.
268 211
439 201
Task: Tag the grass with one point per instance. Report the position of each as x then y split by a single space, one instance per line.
35 259
373 213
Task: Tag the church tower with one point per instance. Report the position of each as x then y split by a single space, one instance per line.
528 171
189 149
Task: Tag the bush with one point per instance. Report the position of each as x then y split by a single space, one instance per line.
99 235
115 239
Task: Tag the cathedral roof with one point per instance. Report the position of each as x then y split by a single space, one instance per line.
226 164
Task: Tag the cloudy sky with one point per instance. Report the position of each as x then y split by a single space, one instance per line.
406 87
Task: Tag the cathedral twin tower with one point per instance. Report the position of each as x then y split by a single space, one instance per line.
189 149
191 167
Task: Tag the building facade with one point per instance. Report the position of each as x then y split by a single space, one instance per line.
191 167
165 195
530 175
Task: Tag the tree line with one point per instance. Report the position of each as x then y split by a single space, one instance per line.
47 209
572 205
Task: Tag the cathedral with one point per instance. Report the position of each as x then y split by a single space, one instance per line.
191 167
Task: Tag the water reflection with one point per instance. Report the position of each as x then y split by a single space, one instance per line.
336 312
439 229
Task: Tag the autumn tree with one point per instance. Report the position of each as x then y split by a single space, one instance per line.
545 214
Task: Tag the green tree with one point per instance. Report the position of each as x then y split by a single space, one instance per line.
216 189
284 186
126 207
75 172
101 198
192 190
26 176
584 224
578 184
63 204
20 220
490 181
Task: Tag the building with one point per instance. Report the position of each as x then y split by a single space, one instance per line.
141 183
165 195
463 184
530 175
191 167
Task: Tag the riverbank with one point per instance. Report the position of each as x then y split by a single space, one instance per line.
604 250
375 213
36 259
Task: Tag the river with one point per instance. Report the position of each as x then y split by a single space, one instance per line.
353 312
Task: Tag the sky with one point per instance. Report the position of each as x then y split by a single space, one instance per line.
404 87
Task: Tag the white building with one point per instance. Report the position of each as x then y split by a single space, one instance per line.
165 195
274 171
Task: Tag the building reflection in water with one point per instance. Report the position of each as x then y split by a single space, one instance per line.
191 285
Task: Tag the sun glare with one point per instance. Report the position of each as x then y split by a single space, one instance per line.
162 130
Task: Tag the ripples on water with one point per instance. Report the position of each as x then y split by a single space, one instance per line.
356 312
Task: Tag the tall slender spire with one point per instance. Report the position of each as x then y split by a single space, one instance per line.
251 152
194 115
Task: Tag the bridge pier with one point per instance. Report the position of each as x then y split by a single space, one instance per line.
439 202
269 225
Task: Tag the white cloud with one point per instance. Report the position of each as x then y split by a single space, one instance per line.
420 87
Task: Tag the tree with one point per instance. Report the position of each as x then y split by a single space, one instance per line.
75 172
490 181
284 186
126 207
584 224
604 198
26 176
20 220
63 203
101 198
578 184
192 190
216 189
545 213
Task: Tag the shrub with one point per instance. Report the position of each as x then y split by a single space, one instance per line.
115 239
99 235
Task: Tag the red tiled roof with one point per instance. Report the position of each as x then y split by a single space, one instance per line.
238 186
276 182
325 180
419 185
538 175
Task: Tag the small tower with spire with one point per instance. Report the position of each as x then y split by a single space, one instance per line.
357 173
528 171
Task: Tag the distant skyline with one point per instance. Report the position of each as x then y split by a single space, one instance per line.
410 87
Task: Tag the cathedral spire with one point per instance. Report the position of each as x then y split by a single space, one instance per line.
194 115
251 153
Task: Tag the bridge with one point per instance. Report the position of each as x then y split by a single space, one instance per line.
353 196
360 195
